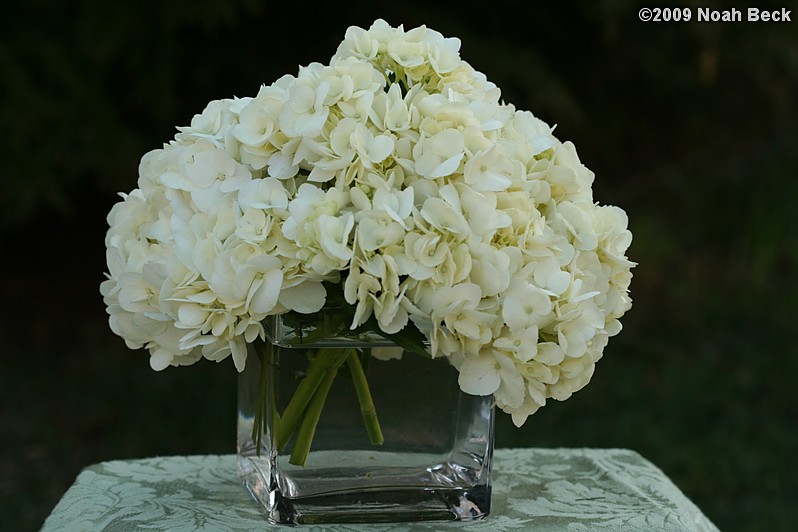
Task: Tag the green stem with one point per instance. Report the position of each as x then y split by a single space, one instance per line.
325 360
367 408
307 429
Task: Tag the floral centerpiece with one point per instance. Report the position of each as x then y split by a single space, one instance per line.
395 182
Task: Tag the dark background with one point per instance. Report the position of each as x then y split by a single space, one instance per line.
690 127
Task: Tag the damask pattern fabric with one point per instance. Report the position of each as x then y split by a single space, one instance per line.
571 490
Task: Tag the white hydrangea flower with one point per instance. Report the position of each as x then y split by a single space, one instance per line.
397 173
439 155
215 124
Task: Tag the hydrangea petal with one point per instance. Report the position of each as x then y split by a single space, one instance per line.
479 376
306 297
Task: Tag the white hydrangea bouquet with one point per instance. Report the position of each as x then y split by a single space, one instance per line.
393 179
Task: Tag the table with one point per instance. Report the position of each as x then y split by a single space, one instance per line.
569 489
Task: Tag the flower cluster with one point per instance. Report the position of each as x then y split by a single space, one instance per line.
395 174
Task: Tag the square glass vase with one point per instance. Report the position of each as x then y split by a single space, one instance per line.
434 460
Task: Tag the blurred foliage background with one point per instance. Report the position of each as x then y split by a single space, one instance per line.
690 127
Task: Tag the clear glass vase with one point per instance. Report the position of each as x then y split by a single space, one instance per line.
434 458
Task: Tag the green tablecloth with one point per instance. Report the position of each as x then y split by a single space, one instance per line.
533 489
